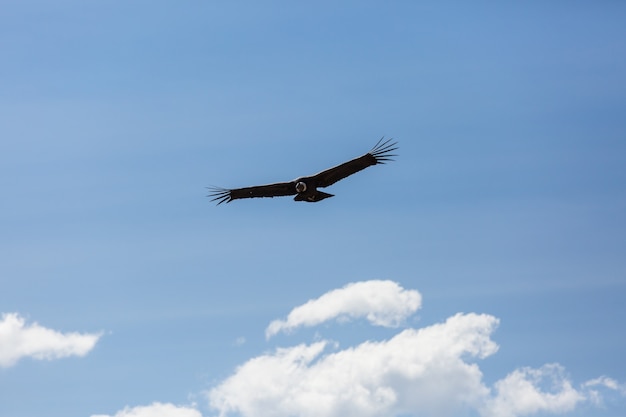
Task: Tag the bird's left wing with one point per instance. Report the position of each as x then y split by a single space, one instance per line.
380 153
280 189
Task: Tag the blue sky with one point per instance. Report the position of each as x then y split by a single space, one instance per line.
125 292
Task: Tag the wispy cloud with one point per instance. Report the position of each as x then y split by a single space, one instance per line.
155 410
240 341
19 340
606 382
593 386
428 371
382 303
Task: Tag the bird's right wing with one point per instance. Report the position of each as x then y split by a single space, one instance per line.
380 153
280 189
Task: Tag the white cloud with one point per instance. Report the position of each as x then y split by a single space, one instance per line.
155 410
382 303
606 382
430 371
520 393
417 371
18 340
593 394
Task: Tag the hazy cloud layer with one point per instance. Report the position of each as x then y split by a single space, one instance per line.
430 371
18 340
155 410
382 303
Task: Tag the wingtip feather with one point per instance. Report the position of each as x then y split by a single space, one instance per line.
219 194
381 151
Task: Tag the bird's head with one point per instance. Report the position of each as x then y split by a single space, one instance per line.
301 187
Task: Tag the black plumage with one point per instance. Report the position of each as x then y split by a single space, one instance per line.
306 188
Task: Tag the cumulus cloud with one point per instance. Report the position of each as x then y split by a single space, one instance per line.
431 371
18 340
155 410
382 303
416 371
520 393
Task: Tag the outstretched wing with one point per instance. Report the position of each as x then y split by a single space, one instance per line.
280 189
379 154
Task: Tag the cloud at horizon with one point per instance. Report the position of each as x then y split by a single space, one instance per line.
19 340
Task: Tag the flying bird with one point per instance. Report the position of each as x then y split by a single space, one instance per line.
306 188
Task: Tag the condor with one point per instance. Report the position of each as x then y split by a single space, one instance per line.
306 188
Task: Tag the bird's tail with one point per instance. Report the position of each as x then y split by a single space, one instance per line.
313 198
